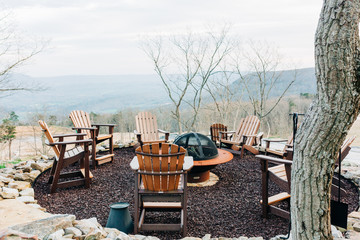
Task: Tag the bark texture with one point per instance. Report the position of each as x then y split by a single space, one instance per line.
328 119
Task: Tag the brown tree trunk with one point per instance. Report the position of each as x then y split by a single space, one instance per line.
328 119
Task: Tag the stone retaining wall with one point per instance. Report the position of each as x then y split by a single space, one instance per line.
16 190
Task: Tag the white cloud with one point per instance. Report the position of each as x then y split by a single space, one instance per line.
100 37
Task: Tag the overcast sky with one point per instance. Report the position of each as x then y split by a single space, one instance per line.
102 36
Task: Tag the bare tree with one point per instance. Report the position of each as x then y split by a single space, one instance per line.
184 64
325 126
225 94
262 63
15 50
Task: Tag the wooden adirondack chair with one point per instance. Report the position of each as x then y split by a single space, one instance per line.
160 184
280 174
147 130
282 153
82 123
215 130
66 157
246 136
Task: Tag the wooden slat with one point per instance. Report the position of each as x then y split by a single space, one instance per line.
162 204
273 200
239 132
102 157
156 166
81 119
164 167
146 124
148 168
179 167
49 137
103 137
82 170
215 129
173 162
141 165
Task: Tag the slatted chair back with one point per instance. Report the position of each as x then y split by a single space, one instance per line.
81 119
146 124
162 166
215 130
49 137
248 126
345 147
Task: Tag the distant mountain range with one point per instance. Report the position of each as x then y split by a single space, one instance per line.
305 82
108 94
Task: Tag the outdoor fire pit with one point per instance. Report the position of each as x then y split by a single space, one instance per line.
205 154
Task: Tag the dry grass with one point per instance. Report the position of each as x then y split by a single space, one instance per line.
29 142
355 131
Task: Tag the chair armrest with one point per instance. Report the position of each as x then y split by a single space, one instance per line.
105 125
245 135
69 135
166 134
134 164
163 131
274 140
69 142
188 163
230 132
111 128
84 128
274 160
137 133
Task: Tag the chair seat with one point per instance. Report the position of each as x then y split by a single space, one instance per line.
73 152
273 200
179 189
229 142
103 137
162 205
154 141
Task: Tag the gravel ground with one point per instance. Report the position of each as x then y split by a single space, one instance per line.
230 208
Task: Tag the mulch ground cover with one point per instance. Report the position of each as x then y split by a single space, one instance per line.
230 208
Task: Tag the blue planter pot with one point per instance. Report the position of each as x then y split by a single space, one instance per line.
120 218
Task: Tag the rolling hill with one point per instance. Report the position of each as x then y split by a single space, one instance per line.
108 94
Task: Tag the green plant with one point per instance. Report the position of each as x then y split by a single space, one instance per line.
8 130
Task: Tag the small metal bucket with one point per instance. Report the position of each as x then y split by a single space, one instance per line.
120 218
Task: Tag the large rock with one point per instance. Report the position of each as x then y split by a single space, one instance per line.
37 206
9 193
7 172
15 235
29 177
27 192
26 199
56 235
112 232
46 226
34 174
25 169
14 212
20 185
5 179
41 166
354 215
74 231
90 226
123 236
22 177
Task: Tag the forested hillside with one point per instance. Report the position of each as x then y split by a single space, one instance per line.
108 94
